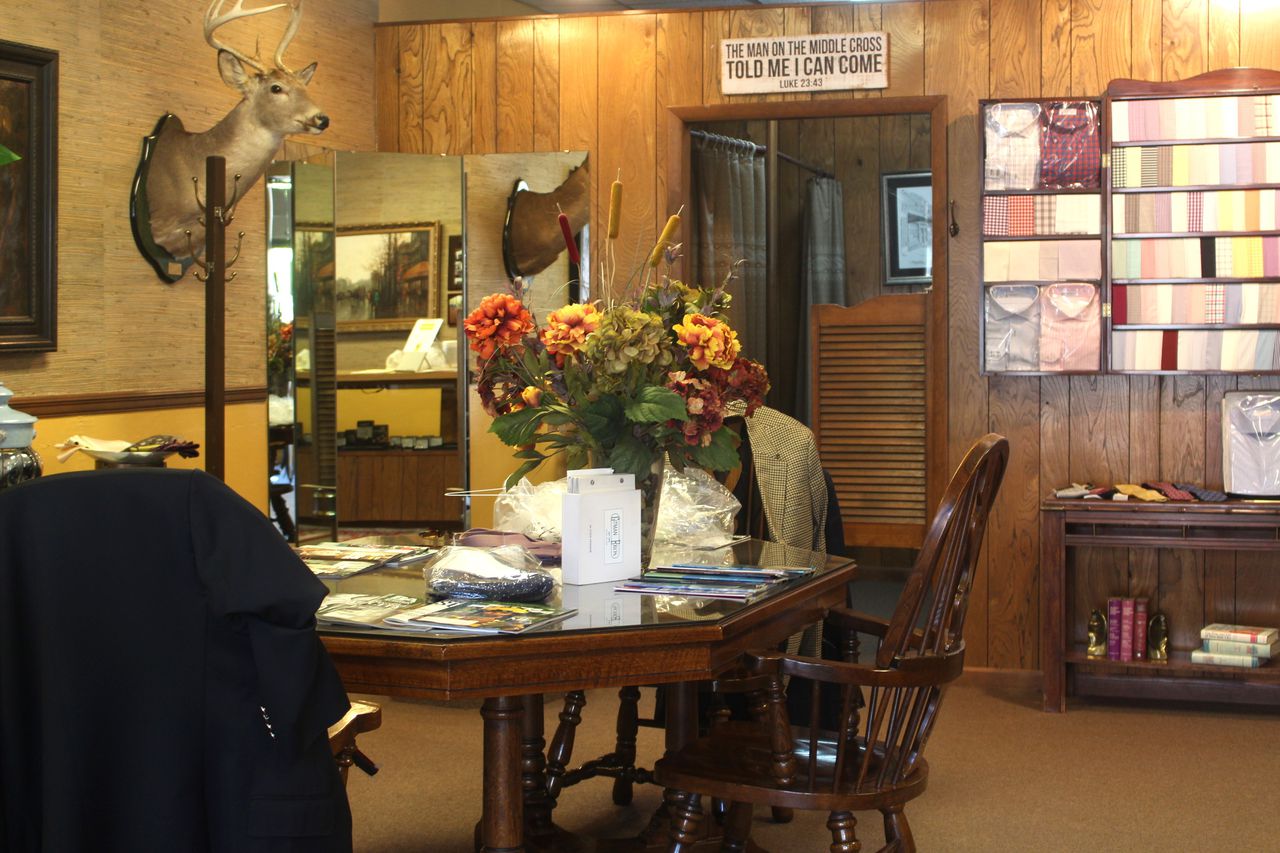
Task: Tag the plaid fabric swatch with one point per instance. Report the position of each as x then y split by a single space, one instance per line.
1021 216
1195 211
1215 303
1046 207
995 216
1223 256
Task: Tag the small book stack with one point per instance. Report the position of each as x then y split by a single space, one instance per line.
1127 628
1236 645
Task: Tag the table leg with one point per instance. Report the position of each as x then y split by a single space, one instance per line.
502 817
533 767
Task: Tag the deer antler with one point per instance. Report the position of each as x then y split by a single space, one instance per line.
213 18
294 20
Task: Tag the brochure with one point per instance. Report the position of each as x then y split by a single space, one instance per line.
366 611
486 617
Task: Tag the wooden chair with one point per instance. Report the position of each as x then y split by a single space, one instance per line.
363 717
873 760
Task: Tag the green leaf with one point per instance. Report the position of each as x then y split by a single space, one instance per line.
517 428
631 456
575 456
530 453
721 454
604 419
520 472
654 404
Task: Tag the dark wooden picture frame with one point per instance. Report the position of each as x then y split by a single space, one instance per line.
28 198
905 201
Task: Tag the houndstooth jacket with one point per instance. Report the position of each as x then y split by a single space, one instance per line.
789 475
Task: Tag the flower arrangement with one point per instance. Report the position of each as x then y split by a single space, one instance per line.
279 347
616 384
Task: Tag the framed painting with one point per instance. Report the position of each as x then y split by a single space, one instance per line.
28 198
907 214
386 278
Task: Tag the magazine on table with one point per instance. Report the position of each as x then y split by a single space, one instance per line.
347 608
485 617
340 559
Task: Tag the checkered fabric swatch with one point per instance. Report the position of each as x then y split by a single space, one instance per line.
1215 303
1223 256
1021 216
1195 211
1046 207
1118 169
995 216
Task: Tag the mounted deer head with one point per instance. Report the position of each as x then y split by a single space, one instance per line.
168 204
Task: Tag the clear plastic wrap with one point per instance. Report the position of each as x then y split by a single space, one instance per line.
534 510
1251 444
696 510
1041 145
504 573
1051 328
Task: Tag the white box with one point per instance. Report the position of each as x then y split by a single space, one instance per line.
600 536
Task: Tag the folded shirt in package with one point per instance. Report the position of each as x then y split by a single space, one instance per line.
504 573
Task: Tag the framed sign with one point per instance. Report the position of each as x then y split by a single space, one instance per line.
28 198
907 214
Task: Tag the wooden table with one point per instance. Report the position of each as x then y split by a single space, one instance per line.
1233 526
614 640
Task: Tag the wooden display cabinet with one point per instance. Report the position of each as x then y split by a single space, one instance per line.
1068 527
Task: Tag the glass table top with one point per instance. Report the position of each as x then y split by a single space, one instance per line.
598 606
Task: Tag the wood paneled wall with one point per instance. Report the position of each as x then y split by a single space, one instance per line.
602 84
123 64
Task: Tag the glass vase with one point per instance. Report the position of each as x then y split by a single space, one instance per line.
650 486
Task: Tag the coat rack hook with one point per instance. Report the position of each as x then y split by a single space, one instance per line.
954 228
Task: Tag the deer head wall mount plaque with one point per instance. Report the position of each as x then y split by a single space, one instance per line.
167 204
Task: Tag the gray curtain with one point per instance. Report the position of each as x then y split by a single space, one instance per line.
730 231
822 271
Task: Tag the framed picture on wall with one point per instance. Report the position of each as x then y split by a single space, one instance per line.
28 197
907 214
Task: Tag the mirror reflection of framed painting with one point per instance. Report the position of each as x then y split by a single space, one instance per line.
907 214
312 270
386 277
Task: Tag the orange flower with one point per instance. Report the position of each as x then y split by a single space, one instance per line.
500 321
532 396
711 343
567 329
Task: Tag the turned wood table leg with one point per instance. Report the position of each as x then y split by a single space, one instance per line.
533 765
502 817
625 747
561 752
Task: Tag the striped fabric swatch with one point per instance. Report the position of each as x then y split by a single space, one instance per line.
1195 303
1213 164
1202 257
1195 212
1233 350
1216 117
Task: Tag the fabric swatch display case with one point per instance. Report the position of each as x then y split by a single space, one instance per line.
1042 252
1137 233
1193 225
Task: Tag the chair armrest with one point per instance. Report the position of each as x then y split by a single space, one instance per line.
863 623
757 673
908 672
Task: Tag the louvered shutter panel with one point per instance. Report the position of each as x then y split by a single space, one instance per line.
871 411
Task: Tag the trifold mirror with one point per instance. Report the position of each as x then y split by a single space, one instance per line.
369 260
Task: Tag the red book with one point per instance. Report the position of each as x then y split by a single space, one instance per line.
1113 629
1126 629
1140 608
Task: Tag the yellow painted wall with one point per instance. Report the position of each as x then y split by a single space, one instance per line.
246 438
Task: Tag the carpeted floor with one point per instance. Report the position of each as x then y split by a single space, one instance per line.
1004 777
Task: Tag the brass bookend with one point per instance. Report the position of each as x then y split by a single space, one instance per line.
1097 635
1158 638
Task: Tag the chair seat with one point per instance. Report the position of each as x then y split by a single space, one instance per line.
735 763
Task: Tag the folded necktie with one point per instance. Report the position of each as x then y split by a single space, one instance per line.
1140 493
1171 491
1202 493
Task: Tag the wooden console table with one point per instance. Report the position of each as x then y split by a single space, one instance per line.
1230 526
